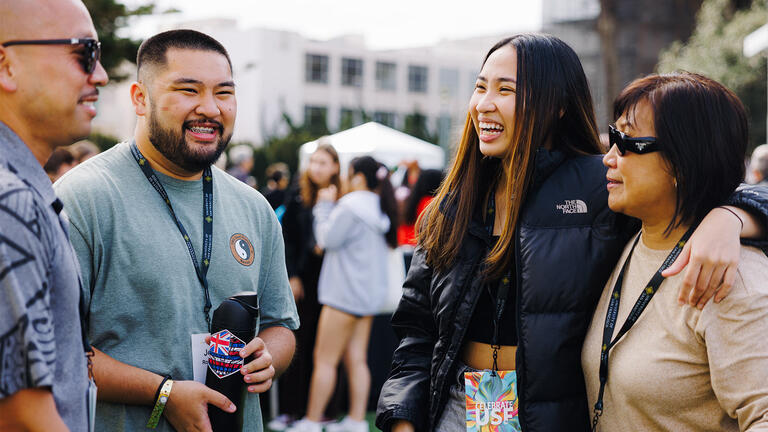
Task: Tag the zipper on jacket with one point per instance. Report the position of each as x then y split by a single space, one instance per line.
465 286
520 347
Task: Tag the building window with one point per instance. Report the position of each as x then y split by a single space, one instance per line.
315 119
349 118
444 135
316 68
449 83
417 79
351 72
385 76
384 117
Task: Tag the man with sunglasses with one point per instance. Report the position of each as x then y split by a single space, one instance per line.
49 75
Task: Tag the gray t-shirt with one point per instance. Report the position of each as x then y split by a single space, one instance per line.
40 334
144 297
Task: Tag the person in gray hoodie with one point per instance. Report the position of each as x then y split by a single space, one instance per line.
356 233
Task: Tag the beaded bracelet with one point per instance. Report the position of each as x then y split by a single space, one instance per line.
161 398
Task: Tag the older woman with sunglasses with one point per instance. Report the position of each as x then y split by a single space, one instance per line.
677 152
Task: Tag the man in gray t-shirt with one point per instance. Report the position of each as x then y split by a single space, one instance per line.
47 89
143 223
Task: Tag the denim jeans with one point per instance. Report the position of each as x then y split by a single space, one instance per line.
454 416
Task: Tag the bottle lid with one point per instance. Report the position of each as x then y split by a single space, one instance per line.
237 313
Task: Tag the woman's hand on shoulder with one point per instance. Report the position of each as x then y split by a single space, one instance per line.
711 257
327 194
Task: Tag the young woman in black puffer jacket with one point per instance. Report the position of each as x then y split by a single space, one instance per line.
524 206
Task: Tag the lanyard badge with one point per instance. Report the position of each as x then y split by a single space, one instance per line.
201 268
492 401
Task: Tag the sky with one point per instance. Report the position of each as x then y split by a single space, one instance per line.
385 24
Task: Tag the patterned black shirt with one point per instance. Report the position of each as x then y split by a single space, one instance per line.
40 333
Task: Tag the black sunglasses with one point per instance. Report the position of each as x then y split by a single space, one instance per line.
624 143
90 57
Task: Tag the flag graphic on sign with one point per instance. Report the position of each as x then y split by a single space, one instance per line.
224 354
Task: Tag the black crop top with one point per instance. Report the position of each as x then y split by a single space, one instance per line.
481 324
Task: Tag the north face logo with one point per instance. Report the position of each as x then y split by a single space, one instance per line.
573 206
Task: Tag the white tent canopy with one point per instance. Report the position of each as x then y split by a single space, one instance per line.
386 145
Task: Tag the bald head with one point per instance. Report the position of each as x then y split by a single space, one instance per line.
48 90
43 19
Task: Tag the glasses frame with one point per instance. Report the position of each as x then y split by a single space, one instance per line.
625 143
88 61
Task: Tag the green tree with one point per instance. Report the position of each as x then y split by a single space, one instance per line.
416 125
715 50
109 16
103 141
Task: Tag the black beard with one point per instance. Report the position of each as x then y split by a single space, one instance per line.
173 146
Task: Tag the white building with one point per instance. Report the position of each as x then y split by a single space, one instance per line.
335 81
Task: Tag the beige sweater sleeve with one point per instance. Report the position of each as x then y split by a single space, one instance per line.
736 335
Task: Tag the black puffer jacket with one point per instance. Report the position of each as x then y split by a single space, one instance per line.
567 244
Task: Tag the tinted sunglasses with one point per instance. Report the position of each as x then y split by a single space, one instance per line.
88 60
624 143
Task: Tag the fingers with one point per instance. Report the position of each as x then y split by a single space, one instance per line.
260 387
714 283
261 381
689 280
254 346
680 262
259 372
702 282
262 361
220 401
725 288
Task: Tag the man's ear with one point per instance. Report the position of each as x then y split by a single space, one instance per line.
8 72
139 98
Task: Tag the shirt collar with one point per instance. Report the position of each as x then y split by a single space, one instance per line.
19 158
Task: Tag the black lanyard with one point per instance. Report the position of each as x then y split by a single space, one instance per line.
503 291
200 268
613 311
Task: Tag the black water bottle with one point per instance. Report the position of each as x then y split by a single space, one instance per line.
233 325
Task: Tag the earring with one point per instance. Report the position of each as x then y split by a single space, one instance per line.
675 180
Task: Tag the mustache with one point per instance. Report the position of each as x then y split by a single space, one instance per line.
95 92
203 122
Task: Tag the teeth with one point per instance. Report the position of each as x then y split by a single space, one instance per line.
199 129
491 126
87 103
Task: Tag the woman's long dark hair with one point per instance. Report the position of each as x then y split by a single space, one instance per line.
552 104
377 180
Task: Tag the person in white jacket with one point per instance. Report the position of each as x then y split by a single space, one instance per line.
356 233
